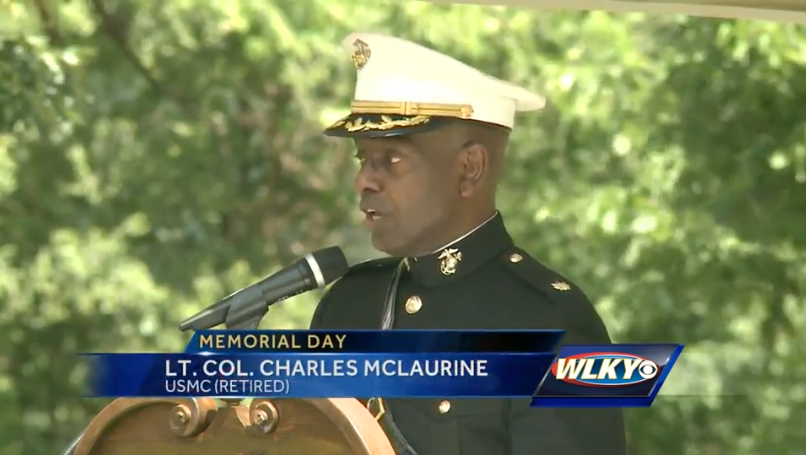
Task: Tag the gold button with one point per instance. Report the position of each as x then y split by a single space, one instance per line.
515 258
413 304
444 406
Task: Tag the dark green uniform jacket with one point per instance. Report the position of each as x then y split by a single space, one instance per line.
494 285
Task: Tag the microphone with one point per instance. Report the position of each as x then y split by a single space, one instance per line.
245 308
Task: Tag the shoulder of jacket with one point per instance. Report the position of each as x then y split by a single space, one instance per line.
373 265
357 273
570 301
541 278
352 280
362 273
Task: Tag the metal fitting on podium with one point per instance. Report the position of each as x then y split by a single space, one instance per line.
376 407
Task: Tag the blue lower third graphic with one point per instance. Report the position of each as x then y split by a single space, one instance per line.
623 375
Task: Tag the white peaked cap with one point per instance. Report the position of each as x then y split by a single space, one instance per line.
400 78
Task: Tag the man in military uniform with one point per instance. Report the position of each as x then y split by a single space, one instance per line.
430 134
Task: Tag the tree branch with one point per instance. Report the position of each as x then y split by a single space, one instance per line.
50 26
108 24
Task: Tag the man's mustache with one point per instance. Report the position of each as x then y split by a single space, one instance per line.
373 204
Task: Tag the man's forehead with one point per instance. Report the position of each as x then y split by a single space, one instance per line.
421 145
427 143
383 142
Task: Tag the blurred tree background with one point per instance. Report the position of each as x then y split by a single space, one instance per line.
155 156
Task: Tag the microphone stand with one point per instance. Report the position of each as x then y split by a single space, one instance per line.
248 325
239 317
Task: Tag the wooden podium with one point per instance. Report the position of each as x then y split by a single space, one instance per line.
205 426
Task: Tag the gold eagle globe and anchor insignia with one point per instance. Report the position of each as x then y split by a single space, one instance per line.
561 286
450 258
361 54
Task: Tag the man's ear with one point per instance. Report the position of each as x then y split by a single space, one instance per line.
474 163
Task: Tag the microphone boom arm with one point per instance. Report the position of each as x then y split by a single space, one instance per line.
243 314
249 324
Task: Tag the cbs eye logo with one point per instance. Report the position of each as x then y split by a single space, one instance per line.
648 369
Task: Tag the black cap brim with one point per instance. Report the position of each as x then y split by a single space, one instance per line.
383 125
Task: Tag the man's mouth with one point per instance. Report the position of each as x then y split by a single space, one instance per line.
371 214
371 218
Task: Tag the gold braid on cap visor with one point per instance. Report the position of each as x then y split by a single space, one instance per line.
409 108
417 114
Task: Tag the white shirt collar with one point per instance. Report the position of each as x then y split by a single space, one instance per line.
468 234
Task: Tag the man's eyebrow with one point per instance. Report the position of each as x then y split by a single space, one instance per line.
388 144
399 140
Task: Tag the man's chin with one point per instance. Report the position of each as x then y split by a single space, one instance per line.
386 243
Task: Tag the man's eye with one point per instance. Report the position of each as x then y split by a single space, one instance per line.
394 157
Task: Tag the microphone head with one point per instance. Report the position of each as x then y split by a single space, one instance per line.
327 265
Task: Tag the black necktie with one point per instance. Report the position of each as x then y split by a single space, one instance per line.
381 411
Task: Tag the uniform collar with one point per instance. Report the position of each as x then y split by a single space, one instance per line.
463 256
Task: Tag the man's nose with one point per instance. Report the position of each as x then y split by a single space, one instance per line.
366 180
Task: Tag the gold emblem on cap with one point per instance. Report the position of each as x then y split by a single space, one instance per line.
450 258
515 258
561 286
361 54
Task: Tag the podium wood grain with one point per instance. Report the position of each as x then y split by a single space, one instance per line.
203 426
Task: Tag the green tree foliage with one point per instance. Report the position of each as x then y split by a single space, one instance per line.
155 156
